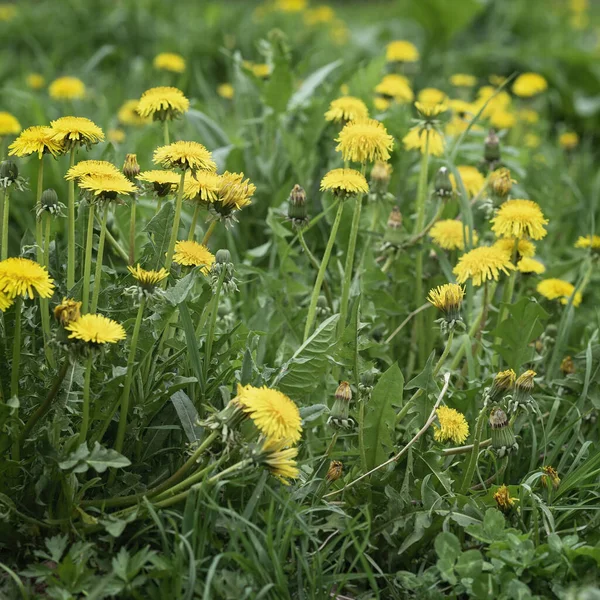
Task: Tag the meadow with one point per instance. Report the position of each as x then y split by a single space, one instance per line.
299 300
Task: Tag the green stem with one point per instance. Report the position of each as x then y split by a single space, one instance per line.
212 323
209 232
315 262
176 219
479 426
5 218
41 258
310 318
47 232
44 301
99 260
85 415
71 227
132 231
16 357
166 132
116 246
87 264
194 222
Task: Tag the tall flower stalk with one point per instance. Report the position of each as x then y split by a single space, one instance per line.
99 259
71 226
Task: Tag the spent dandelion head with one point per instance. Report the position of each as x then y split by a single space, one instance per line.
185 156
76 131
504 381
67 88
9 125
169 61
344 183
519 218
366 140
500 182
558 289
453 426
162 104
36 140
96 330
346 108
25 278
482 264
550 477
449 234
192 254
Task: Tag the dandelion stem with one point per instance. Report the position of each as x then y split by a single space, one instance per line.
176 219
5 217
132 230
209 232
479 425
166 132
315 263
192 233
85 411
71 227
87 265
16 357
212 322
45 315
116 246
99 260
38 220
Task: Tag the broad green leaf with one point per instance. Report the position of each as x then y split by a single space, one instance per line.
469 564
279 87
188 415
192 344
178 293
447 546
102 458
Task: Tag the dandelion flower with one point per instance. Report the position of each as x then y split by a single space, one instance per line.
225 90
91 167
430 110
184 155
589 241
401 51
35 81
519 218
192 254
319 14
9 125
482 264
148 280
447 298
38 140
503 119
7 12
423 139
260 70
448 234
163 182
24 277
550 477
128 114
503 382
67 88
96 329
276 416
280 459
558 289
365 140
162 103
503 499
67 311
473 181
116 136
528 115
290 6
346 108
203 186
525 248
568 140
432 96
530 265
345 182
463 80
527 85
233 193
453 426
395 87
169 61
500 182
532 140
108 187
76 131
5 301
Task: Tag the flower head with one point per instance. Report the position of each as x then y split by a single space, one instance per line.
7 12
96 329
346 108
147 280
525 248
463 80
226 90
395 87
530 265
9 125
276 416
169 61
453 426
504 381
363 141
482 264
280 459
550 477
35 81
162 182
233 193
568 140
67 88
345 182
430 110
184 155
67 311
500 182
401 51
106 187
192 254
38 140
503 119
425 140
5 301
24 277
558 289
447 298
589 241
519 218
202 187
449 234
128 114
335 470
72 131
529 84
473 181
92 167
503 499
162 103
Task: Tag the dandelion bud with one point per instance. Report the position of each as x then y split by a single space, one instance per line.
343 392
567 366
491 152
335 470
131 169
323 309
503 437
67 311
9 171
503 382
223 267
297 207
503 500
49 203
381 174
443 184
550 477
500 183
223 256
365 386
395 219
339 413
448 299
523 387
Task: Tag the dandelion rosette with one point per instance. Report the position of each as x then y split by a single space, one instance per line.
482 264
184 155
344 183
192 254
76 131
364 141
449 234
453 426
346 108
162 103
26 278
37 139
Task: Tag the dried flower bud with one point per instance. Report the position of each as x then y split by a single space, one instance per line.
500 183
339 413
395 219
335 470
9 171
503 500
443 184
550 477
297 213
523 387
491 151
343 392
67 311
131 169
567 366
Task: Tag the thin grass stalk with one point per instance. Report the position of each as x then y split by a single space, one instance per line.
132 230
87 261
209 232
99 260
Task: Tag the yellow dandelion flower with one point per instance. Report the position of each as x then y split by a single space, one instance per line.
532 140
76 131
169 61
116 136
525 248
203 186
531 265
482 264
233 193
26 278
96 329
346 108
280 459
35 81
401 51
503 499
472 179
128 114
339 33
381 104
453 426
431 96
589 241
9 125
449 235
395 87
5 301
550 477
568 140
7 12
364 141
147 280
558 289
184 155
503 119
290 6
91 167
261 70
38 140
106 186
163 182
500 182
463 80
519 218
192 254
67 88
67 311
528 115
429 110
447 298
496 101
274 414
162 103
567 366
344 182
225 90
527 85
423 139
319 15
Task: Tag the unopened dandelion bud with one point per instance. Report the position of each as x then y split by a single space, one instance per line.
297 212
395 219
341 407
365 386
500 183
503 437
491 152
523 388
443 184
343 392
9 171
550 477
223 256
503 383
381 174
223 267
49 203
335 471
131 169
504 502
322 307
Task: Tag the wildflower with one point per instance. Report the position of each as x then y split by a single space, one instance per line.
9 125
589 241
67 88
364 140
432 97
339 412
429 110
116 136
163 182
96 330
192 254
73 131
147 280
527 85
568 140
503 437
395 87
401 51
35 81
225 90
463 80
425 140
184 155
530 265
482 264
297 207
527 115
38 140
162 103
5 301
128 114
106 187
381 104
67 311
202 187
558 289
491 100
223 270
448 299
550 477
453 426
91 167
346 108
345 183
500 182
503 499
319 14
9 174
290 6
504 381
280 459
26 278
381 174
335 470
503 119
395 219
443 184
523 387
567 366
473 181
49 203
532 140
169 61
233 193
519 218
274 414
449 234
525 248
131 168
7 12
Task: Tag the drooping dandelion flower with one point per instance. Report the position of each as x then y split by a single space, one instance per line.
92 167
500 182
504 381
169 61
279 457
530 265
473 181
35 81
9 125
128 114
449 235
38 140
519 218
558 289
463 80
588 241
364 141
424 139
162 103
74 131
401 51
148 280
162 182
107 187
192 254
67 311
25 278
346 108
525 248
184 155
96 329
453 426
67 88
274 414
344 182
482 264
203 186
527 85
395 87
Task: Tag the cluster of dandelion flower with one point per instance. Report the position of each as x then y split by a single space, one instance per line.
503 437
9 176
49 203
147 283
504 501
524 385
453 426
344 183
339 418
550 477
297 212
448 298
